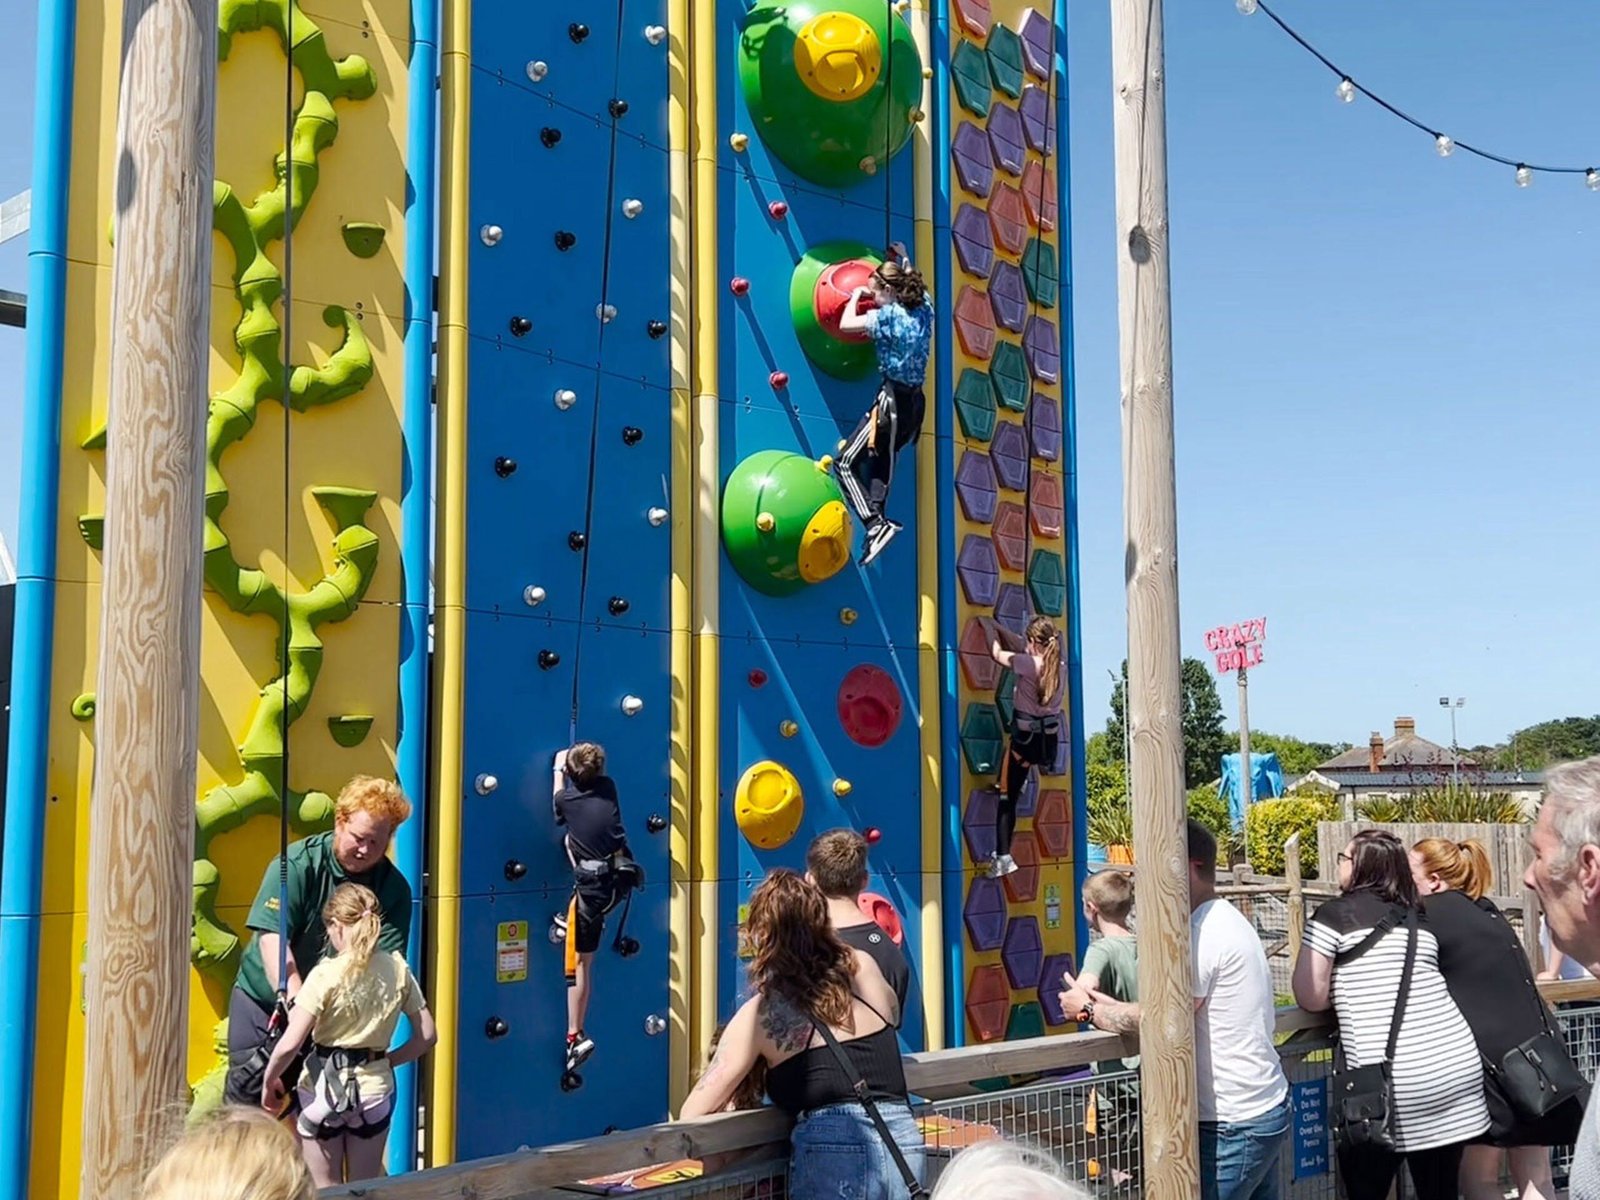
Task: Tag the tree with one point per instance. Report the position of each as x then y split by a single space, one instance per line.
1205 739
1547 743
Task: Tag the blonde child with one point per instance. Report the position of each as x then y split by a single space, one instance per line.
235 1154
349 1006
1111 966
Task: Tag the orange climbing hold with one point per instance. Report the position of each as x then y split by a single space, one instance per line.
974 16
977 664
1039 196
1052 823
1022 885
988 1002
1010 535
1045 504
974 319
1008 218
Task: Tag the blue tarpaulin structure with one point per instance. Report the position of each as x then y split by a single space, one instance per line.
1266 781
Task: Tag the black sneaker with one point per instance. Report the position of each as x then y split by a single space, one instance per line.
878 537
579 1047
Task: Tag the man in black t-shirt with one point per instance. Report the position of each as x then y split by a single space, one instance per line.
586 806
836 862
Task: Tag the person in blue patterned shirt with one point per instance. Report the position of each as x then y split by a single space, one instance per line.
899 320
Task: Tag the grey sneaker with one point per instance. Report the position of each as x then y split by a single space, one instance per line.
1004 865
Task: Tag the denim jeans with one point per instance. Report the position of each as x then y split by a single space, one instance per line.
836 1153
1239 1159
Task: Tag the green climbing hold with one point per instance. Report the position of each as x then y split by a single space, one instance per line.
1005 697
969 68
1008 373
833 94
818 291
350 730
83 707
1005 60
1047 583
974 397
96 439
362 238
93 530
784 524
1041 271
982 737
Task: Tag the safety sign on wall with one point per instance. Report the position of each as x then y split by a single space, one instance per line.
1308 1102
1052 906
511 952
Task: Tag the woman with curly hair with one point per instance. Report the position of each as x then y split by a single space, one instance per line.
816 1000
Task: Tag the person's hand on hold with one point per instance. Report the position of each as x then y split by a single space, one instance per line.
1074 999
561 760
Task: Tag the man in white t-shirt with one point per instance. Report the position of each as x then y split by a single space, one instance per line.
1243 1095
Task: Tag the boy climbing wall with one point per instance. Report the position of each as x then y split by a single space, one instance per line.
603 874
900 324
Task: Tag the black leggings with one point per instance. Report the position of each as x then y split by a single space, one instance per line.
1367 1174
1013 777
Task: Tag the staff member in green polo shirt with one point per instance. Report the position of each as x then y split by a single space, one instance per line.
366 814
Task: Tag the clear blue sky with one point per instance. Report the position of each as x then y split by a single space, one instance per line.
1387 415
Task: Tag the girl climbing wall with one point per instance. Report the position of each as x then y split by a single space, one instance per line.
1035 724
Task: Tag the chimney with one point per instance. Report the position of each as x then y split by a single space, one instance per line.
1405 727
1375 752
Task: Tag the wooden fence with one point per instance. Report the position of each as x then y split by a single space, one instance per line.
1507 846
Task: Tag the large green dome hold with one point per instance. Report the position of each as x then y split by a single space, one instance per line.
819 289
832 85
784 524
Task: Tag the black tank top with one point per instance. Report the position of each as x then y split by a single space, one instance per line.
812 1078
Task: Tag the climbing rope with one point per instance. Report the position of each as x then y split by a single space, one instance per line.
285 346
617 109
888 126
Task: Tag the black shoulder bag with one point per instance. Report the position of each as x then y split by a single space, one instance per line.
1536 1076
859 1086
1363 1097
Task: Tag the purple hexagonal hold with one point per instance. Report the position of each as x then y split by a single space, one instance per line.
1023 952
1009 454
978 568
1038 35
985 914
974 240
1038 120
1050 977
1012 608
1008 295
1059 767
973 159
975 486
1043 346
977 826
1006 137
1028 798
1044 426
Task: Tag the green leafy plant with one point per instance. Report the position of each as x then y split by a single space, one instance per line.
1466 805
1211 810
1273 822
1111 823
1383 810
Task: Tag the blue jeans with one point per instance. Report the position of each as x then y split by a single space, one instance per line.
836 1153
1239 1159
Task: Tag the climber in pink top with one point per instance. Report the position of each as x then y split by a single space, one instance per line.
1035 723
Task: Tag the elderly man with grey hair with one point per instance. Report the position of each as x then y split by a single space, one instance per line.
1565 871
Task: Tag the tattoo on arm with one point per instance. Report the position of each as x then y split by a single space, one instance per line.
786 1026
1117 1017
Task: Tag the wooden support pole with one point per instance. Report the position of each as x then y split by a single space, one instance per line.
141 827
1154 708
1297 895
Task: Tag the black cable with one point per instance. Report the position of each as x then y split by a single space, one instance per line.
594 420
888 127
288 325
1436 134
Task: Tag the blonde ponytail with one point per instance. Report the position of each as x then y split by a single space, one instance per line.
1042 630
355 908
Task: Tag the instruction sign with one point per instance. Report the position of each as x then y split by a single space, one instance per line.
1308 1114
1052 906
511 952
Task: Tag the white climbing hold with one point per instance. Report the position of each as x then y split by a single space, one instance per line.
538 69
490 235
631 705
655 34
869 165
565 398
632 208
533 595
485 784
658 517
606 312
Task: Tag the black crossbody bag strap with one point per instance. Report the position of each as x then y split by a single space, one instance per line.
859 1086
1405 986
1389 921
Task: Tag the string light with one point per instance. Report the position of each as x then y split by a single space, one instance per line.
1446 145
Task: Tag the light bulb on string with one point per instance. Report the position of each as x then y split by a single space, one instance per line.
1346 90
1445 145
1247 7
1524 176
1591 180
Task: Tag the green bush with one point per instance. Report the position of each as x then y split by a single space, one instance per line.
1211 810
1273 822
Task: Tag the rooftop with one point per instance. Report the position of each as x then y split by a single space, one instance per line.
1404 750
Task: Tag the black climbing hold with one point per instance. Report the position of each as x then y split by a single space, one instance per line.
571 1081
632 435
505 467
656 328
515 870
577 31
628 947
549 135
548 659
608 1131
655 823
565 240
577 540
618 107
494 1027
520 326
617 605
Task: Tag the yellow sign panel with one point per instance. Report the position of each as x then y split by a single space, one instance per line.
511 952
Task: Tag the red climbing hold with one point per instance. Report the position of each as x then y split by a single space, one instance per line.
869 705
757 678
739 285
832 293
873 835
883 915
779 380
974 321
988 1002
778 209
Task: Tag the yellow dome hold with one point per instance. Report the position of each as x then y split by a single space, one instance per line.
825 545
842 788
767 805
838 56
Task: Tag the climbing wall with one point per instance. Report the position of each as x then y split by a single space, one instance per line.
314 553
1010 466
567 549
819 668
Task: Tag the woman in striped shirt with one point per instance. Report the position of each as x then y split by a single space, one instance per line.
1438 1081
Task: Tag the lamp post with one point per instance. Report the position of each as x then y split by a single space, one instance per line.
1455 749
1127 740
